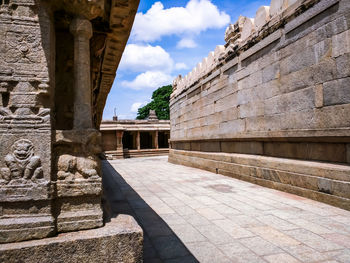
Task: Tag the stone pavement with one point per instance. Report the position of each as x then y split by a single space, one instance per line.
191 215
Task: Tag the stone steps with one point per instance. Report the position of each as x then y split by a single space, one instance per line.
136 153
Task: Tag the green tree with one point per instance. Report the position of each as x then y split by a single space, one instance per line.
159 103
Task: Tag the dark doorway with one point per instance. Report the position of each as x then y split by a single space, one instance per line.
145 140
163 138
128 140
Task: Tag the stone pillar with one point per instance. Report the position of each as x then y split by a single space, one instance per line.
119 149
82 31
120 140
156 143
26 192
77 165
138 146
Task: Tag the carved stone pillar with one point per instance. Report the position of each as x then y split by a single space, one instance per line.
26 191
120 151
77 166
138 144
82 31
156 144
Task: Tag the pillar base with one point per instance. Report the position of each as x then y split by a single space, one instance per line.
28 226
120 240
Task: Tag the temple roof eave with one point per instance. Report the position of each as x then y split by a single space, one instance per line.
121 18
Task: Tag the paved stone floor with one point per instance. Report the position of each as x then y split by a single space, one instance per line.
191 215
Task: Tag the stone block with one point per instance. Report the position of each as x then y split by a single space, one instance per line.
255 79
269 89
253 109
341 44
231 128
242 147
16 227
226 103
210 146
248 28
343 66
337 92
118 241
270 72
323 71
276 7
319 96
294 101
229 114
332 117
298 61
332 152
262 16
296 80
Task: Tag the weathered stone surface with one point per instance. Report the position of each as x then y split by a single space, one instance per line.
248 28
25 127
118 241
337 92
58 62
282 91
276 7
262 16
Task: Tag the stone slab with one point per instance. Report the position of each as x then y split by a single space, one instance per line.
262 170
120 240
263 223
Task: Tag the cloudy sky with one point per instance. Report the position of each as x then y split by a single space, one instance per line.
169 38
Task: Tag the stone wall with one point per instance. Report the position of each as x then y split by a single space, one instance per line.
278 89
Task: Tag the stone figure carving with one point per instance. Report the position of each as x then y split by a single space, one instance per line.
71 167
21 162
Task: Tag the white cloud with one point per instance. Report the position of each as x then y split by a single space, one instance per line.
195 17
179 66
145 57
135 106
149 80
186 43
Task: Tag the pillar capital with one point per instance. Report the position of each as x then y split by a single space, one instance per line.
81 27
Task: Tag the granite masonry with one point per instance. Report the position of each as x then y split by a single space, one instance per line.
272 105
57 63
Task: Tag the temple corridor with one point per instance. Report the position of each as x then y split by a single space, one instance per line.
191 215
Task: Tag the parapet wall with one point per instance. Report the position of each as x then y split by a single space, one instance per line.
280 87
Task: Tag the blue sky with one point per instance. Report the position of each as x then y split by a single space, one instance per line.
169 38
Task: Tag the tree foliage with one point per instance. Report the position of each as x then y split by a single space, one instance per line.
159 103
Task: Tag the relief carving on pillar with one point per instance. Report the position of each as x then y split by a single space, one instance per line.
77 155
20 103
72 167
22 47
22 164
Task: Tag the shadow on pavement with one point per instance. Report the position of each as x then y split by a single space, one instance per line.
160 243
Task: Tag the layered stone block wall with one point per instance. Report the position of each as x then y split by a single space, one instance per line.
278 89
